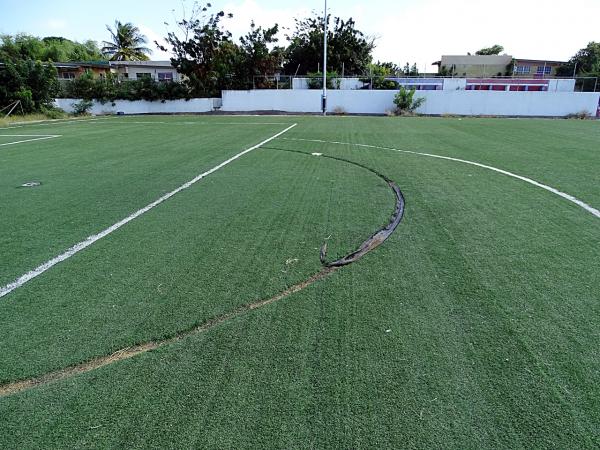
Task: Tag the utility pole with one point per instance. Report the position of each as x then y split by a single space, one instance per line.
324 98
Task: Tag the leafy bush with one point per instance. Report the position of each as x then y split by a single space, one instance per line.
33 83
54 113
315 80
82 107
109 89
405 101
379 83
582 115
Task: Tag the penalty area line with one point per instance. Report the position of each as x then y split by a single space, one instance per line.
595 212
5 290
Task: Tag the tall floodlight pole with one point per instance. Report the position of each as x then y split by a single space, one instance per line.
324 98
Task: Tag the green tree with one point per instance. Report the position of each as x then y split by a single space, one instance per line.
256 57
211 61
20 47
203 50
52 48
126 44
493 50
585 61
33 83
585 64
347 48
385 68
378 76
65 50
410 70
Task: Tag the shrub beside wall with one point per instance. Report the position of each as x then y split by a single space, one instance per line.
109 89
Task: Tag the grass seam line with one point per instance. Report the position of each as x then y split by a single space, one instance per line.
595 212
5 290
15 387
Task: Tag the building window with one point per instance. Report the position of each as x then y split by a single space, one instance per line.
522 69
143 76
165 76
67 75
541 70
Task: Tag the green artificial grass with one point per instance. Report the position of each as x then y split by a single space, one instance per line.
474 326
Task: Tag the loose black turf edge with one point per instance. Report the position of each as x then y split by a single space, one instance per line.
377 238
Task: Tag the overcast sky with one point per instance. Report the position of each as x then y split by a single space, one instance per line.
407 30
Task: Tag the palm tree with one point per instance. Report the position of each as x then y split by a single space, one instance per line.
126 43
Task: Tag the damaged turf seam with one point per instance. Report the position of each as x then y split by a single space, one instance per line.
371 243
377 238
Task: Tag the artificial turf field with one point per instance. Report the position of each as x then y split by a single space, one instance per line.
475 325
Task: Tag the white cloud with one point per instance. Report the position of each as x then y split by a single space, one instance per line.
425 30
249 10
421 31
56 24
157 54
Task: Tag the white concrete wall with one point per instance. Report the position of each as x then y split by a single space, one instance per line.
539 104
494 103
289 100
561 85
455 84
361 102
195 105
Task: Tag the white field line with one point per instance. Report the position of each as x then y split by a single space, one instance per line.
54 121
50 122
235 123
39 138
564 195
119 120
126 122
96 237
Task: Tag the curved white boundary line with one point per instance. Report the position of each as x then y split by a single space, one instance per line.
96 237
564 195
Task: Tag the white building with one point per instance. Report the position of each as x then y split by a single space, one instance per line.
136 70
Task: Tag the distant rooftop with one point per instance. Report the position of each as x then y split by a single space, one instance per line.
488 60
533 60
142 63
70 64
